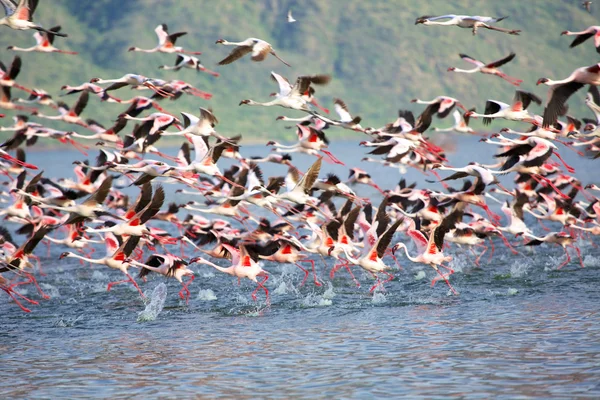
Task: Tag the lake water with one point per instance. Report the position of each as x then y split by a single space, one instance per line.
519 329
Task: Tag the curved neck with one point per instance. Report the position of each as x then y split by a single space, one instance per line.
403 246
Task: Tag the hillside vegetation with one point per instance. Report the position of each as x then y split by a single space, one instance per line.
378 57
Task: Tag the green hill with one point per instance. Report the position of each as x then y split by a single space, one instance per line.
378 57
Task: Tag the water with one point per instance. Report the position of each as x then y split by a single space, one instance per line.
519 328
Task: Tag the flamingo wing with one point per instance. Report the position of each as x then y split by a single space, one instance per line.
236 54
284 85
9 7
471 60
501 62
342 110
162 32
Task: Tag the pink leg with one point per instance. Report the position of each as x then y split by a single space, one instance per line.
312 263
305 273
568 260
261 285
445 278
482 253
333 158
578 255
12 293
186 290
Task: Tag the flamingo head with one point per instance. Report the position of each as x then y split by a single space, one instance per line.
363 143
504 130
280 118
450 69
220 41
494 135
65 254
271 143
413 101
330 250
469 113
10 47
244 102
421 20
395 248
564 33
273 94
94 80
436 166
542 80
132 49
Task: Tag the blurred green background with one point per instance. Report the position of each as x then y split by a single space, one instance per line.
378 57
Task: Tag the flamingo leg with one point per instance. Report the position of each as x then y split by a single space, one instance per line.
578 255
305 273
312 263
332 157
186 290
568 260
445 278
261 285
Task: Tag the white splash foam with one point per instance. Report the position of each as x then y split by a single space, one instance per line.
157 302
519 268
591 261
313 300
50 290
512 291
281 289
207 295
378 298
208 274
329 293
420 275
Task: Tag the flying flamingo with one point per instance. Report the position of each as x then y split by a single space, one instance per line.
430 249
44 43
8 75
243 266
20 16
183 61
116 257
259 49
592 31
465 21
490 68
561 90
132 80
166 42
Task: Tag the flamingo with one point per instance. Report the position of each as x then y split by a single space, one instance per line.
132 80
296 97
371 259
562 239
290 19
430 249
259 49
116 258
465 21
592 31
8 75
166 42
20 16
243 265
185 61
517 111
44 43
489 68
561 90
461 124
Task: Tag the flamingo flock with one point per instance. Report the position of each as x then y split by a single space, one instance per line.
243 223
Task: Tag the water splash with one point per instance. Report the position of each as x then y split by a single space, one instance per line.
157 302
207 295
66 322
420 275
281 289
329 293
313 300
50 290
520 269
591 261
512 291
378 298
